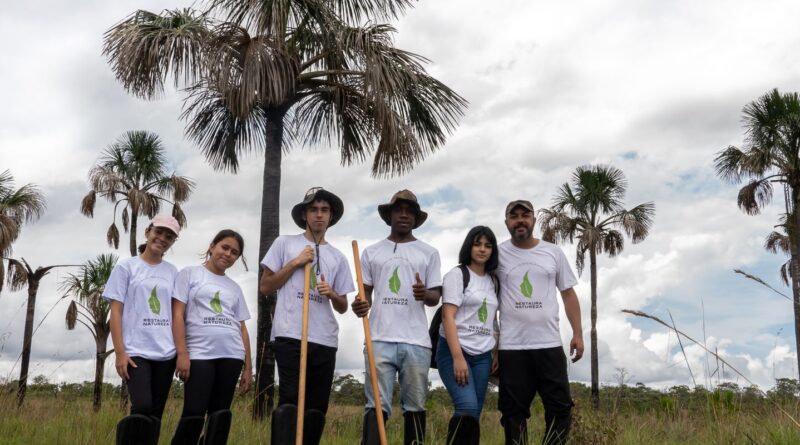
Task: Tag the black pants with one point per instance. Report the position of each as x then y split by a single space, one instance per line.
527 372
319 373
210 386
149 384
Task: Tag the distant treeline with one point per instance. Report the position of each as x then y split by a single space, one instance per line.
347 390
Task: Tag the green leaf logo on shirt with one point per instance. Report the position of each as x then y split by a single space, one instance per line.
394 282
155 305
483 312
215 304
525 287
313 283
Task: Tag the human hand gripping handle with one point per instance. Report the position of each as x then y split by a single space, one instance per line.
306 256
420 292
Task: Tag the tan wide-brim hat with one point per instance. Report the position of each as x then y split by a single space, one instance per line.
314 194
385 210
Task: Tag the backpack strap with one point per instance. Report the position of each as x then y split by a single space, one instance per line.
464 275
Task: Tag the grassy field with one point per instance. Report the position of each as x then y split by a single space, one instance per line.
59 420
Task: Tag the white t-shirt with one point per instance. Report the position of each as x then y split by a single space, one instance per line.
529 279
477 307
322 326
144 290
390 269
215 308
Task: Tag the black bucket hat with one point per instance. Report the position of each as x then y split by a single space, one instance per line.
385 210
318 194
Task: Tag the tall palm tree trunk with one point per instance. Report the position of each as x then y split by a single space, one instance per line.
595 366
33 288
796 272
99 365
270 222
134 224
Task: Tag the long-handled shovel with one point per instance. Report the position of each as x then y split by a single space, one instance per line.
370 356
301 391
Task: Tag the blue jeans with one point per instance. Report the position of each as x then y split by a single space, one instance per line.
467 399
410 363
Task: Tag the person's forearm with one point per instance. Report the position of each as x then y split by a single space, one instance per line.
246 341
179 326
432 296
272 281
450 330
339 303
116 327
573 310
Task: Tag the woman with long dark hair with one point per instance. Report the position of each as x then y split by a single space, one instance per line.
211 340
139 290
466 337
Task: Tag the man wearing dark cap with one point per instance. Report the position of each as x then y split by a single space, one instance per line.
401 276
330 283
531 355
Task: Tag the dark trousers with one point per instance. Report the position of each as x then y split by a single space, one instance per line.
149 384
210 386
525 373
320 364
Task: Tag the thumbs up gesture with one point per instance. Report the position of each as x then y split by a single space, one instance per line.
420 292
324 288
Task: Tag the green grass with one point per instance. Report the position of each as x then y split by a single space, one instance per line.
70 420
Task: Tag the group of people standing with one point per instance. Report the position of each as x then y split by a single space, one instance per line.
518 279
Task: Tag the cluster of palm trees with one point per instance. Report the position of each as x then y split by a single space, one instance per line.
770 157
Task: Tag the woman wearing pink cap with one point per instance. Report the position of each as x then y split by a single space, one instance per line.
139 291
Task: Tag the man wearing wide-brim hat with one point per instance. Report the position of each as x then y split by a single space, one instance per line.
330 283
401 276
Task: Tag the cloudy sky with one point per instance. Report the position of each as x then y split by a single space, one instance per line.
653 88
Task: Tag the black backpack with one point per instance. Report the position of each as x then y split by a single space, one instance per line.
433 331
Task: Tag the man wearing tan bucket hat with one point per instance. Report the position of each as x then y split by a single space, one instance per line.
330 283
401 276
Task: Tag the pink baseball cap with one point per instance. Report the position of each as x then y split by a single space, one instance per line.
167 222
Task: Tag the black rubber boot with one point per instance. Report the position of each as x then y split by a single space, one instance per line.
414 428
188 431
516 429
369 431
284 424
136 429
556 427
313 425
463 430
156 429
218 425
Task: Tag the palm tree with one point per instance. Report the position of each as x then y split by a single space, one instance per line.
591 210
771 154
260 74
782 242
20 275
17 206
133 172
90 309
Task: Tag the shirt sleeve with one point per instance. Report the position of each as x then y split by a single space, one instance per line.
343 281
180 291
366 273
453 287
273 260
433 276
565 279
117 284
